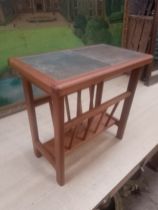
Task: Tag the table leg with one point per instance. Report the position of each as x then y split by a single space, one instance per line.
31 114
132 85
148 72
58 116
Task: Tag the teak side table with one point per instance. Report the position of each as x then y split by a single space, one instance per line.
62 73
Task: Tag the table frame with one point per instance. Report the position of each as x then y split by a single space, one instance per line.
72 132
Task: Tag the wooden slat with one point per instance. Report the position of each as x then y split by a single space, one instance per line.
49 146
131 29
67 108
111 115
145 38
99 92
79 103
72 138
89 123
91 105
51 109
138 33
143 17
91 93
99 122
125 23
96 110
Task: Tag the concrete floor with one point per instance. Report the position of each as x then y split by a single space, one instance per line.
148 199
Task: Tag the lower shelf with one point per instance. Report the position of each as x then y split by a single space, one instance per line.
83 133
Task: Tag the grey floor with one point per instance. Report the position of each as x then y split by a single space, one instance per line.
148 199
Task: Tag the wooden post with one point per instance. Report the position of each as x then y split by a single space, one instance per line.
31 114
153 44
125 24
128 102
58 116
99 93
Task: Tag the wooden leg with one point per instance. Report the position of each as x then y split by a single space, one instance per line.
147 75
31 114
128 102
58 115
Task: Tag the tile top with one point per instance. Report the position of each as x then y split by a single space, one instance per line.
65 64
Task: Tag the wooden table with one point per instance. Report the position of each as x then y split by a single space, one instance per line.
62 73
